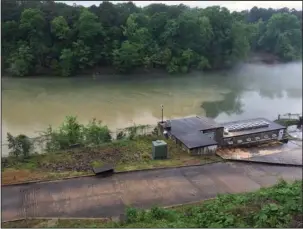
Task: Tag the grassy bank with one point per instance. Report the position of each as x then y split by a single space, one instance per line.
277 206
73 149
125 155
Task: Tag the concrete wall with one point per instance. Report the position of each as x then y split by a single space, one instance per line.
207 150
160 128
252 138
218 134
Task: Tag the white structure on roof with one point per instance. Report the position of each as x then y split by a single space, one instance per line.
247 125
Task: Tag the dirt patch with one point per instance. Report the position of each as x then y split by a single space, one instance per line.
297 221
82 160
131 152
11 176
32 223
191 162
234 153
249 152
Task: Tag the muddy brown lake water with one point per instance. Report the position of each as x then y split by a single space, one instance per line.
29 105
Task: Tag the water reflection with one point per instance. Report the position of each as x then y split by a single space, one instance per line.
30 105
270 93
231 104
259 90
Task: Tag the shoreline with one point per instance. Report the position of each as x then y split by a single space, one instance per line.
107 72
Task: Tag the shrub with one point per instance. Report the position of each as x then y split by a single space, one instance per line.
52 140
19 146
131 215
272 215
95 133
155 131
132 132
158 213
146 156
71 130
136 130
71 133
121 135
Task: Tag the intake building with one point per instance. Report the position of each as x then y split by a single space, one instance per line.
201 135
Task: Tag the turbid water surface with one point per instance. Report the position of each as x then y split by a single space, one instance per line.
251 90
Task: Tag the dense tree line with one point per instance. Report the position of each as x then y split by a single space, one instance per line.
41 37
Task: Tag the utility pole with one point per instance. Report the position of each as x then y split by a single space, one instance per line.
162 112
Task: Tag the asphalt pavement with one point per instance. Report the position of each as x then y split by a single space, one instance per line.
104 197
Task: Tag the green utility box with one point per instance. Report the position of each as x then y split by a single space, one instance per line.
159 149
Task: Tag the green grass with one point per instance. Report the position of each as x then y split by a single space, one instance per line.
277 206
97 163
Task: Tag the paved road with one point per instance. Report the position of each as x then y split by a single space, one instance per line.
102 197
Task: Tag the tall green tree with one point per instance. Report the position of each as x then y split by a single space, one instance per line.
283 36
21 60
60 28
49 37
32 27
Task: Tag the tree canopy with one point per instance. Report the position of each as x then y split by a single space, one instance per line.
47 37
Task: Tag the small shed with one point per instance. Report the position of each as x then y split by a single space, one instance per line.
198 144
197 135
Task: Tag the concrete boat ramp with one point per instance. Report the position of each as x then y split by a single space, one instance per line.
103 197
277 153
295 132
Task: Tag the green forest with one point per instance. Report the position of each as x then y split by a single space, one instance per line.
51 38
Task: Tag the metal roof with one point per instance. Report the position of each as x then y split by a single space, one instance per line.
195 140
250 126
188 131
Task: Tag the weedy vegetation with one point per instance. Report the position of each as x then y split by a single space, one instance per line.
73 148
